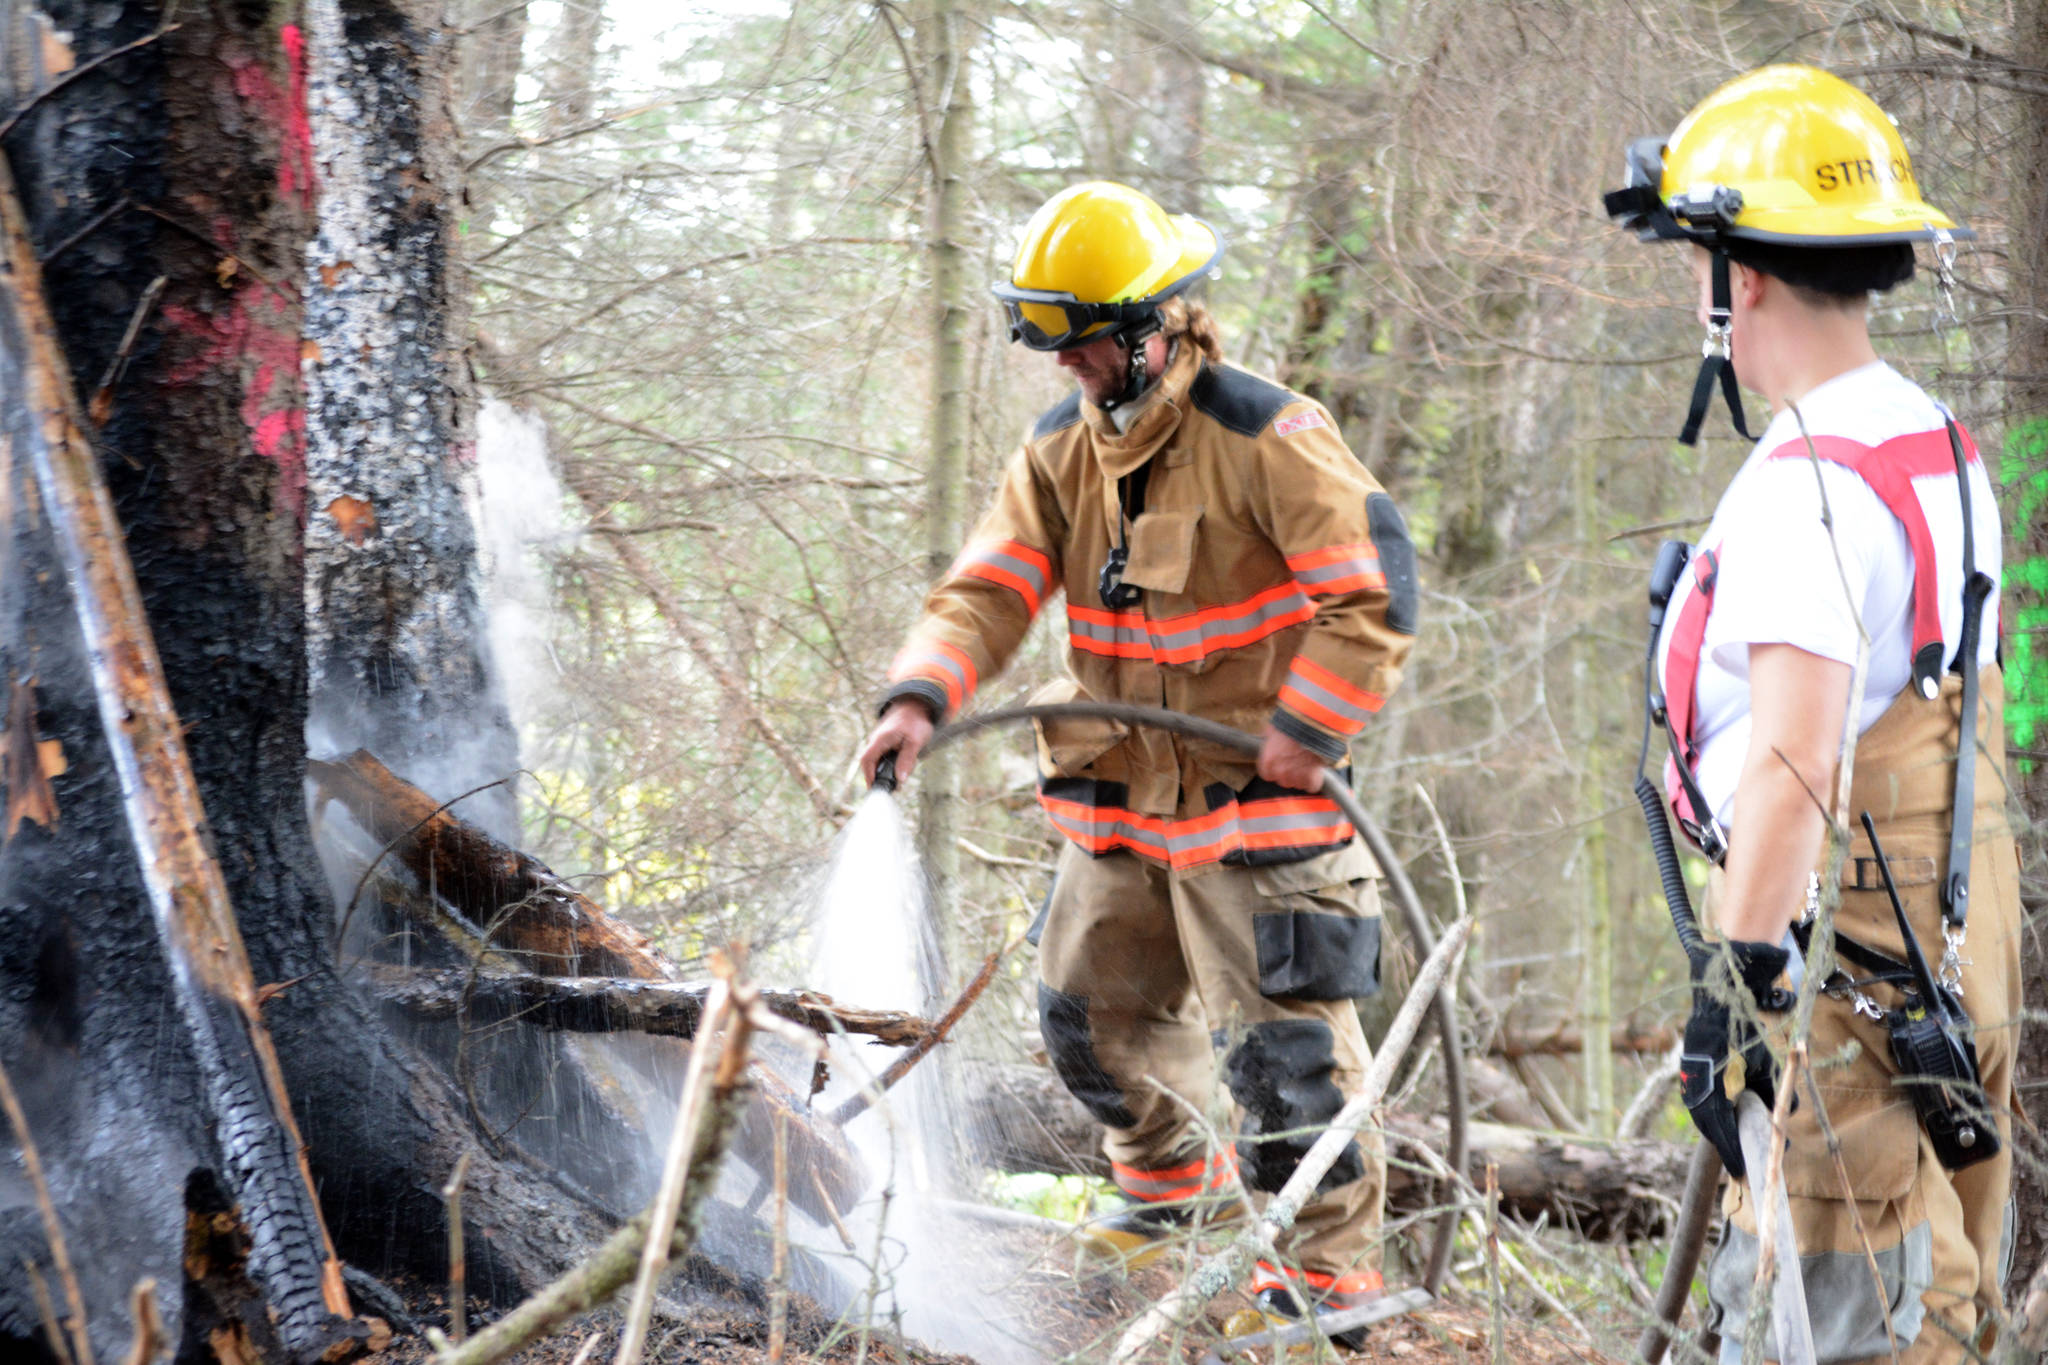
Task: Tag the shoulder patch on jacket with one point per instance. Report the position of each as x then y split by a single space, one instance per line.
1058 417
1244 403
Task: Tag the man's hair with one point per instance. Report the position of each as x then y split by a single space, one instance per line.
1828 276
1183 316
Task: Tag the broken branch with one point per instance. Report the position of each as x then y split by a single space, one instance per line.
609 1004
898 1069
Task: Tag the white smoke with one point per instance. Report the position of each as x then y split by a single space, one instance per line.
520 518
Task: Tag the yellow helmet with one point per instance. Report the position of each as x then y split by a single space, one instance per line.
1097 260
1785 154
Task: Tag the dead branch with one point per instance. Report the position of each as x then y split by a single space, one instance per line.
149 1341
900 1068
53 1231
1215 1273
603 1004
675 1170
458 1265
608 1268
540 922
1562 1039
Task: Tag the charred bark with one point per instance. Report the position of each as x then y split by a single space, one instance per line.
188 159
614 1005
520 914
396 630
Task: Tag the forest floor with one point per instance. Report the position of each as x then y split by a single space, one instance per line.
1077 1320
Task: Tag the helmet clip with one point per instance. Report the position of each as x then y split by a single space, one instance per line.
1945 273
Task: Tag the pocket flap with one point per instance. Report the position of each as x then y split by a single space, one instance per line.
1162 550
1066 744
1338 867
1873 1120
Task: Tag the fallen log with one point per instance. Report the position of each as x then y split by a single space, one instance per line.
515 899
609 1004
1515 1041
524 916
1026 1121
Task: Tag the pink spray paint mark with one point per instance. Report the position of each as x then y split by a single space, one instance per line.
285 110
257 353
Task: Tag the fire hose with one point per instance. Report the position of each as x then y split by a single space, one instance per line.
1415 921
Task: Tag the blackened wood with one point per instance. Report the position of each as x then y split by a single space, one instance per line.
531 918
599 1004
212 984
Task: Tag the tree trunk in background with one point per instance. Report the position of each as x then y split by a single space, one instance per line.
1172 117
569 78
2025 496
397 635
492 46
1596 915
1329 209
945 36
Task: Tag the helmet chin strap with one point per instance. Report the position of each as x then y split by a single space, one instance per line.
1133 340
1715 359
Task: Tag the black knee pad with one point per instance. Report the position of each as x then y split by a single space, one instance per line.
1063 1023
1282 1075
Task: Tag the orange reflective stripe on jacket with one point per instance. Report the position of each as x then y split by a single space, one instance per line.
1094 815
938 662
1338 569
1327 699
1184 639
1016 566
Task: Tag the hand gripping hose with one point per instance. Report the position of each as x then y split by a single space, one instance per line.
1334 787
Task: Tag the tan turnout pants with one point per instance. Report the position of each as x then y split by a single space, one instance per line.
1154 985
1940 1239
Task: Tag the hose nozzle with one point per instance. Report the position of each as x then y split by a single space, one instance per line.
885 773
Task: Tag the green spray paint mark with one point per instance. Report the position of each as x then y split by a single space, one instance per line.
2024 474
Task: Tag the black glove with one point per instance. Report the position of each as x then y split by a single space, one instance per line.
1731 983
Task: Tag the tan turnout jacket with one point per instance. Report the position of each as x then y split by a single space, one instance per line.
1279 585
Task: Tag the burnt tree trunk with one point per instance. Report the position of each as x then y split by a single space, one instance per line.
189 158
396 627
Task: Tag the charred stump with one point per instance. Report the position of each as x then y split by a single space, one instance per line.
185 158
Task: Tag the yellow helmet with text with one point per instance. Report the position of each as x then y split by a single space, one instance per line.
1097 260
1789 155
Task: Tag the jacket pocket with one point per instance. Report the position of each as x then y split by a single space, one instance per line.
1320 941
1874 1122
1163 550
1068 744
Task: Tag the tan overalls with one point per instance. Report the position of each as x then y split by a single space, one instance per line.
1939 1239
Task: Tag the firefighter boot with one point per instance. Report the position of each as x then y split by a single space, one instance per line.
1281 1301
1139 1233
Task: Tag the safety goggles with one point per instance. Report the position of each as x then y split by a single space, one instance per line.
1053 320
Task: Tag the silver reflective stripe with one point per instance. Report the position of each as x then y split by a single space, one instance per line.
1331 821
1323 697
925 662
1848 1320
1222 624
1343 568
1128 630
997 556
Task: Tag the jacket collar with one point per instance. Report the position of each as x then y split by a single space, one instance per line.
1159 417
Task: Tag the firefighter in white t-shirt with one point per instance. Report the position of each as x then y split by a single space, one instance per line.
1841 542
